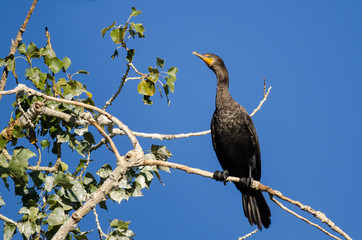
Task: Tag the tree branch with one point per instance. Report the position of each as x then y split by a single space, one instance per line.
255 185
15 44
6 219
121 125
248 235
131 159
302 218
109 102
100 232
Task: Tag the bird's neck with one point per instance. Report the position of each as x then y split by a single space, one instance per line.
223 98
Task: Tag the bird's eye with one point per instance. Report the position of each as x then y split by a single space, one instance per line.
210 56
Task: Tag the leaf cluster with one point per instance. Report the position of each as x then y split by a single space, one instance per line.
148 82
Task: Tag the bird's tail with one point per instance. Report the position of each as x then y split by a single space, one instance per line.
256 209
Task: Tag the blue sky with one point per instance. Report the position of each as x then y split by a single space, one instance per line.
310 129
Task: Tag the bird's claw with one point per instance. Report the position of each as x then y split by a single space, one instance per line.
221 176
249 182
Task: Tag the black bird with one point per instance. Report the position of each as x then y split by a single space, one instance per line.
236 144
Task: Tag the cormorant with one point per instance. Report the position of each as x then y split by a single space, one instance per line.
236 144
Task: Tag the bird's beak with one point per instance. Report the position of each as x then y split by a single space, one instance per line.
207 60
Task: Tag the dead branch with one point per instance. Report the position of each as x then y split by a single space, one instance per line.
255 185
15 44
248 235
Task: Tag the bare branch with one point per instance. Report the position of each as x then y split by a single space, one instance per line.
255 185
248 235
15 44
302 218
109 140
138 72
49 169
261 102
124 78
163 136
6 219
121 125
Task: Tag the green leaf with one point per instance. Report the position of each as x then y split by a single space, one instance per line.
81 131
147 100
117 35
161 152
49 183
130 55
138 27
66 61
63 180
22 49
37 77
10 65
146 87
9 230
136 191
3 162
82 72
77 192
89 137
172 72
27 228
104 171
89 179
63 166
160 62
44 143
37 177
17 132
55 64
105 30
135 12
117 195
103 205
83 148
32 51
171 84
57 217
153 74
3 141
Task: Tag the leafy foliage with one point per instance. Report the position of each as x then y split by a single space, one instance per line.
149 81
51 188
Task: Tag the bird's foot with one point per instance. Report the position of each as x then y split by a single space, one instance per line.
221 176
249 182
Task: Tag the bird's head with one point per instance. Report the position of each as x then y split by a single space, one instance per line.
212 61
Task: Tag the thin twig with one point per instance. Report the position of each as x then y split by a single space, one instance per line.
109 140
109 102
261 102
39 159
138 72
50 169
248 235
85 167
302 218
100 232
15 44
